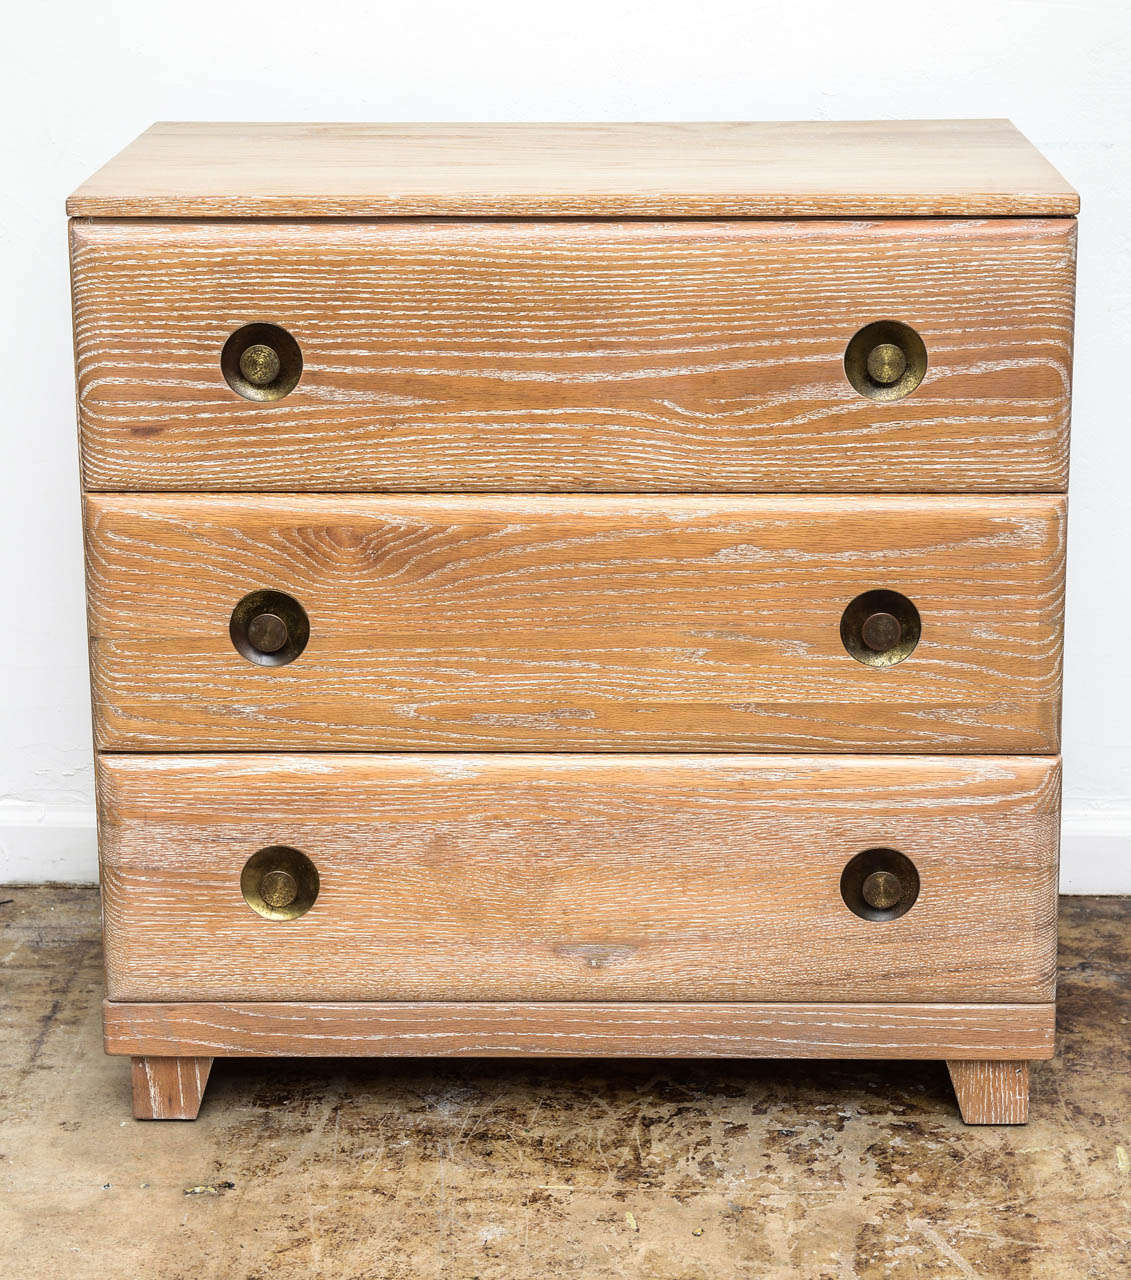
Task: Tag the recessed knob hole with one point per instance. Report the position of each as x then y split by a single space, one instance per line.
269 628
886 360
880 628
279 883
879 884
261 362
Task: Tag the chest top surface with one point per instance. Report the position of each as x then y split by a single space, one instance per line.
850 169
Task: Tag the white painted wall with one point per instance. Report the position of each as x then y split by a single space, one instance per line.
79 80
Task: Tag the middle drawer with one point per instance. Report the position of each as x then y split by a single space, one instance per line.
577 623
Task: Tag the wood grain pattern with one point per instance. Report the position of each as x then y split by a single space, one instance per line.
587 357
456 877
993 1092
574 623
755 169
622 1029
168 1088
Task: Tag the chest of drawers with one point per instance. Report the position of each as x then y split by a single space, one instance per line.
576 590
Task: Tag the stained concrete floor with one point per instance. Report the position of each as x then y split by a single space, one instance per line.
670 1171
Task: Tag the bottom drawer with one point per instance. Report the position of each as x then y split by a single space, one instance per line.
571 877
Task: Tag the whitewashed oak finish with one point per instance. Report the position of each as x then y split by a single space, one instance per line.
499 1029
519 351
724 169
169 1088
991 1092
573 623
581 356
457 877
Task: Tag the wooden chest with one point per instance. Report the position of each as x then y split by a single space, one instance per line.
577 590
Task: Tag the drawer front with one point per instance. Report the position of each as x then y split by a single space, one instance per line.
543 356
573 623
496 877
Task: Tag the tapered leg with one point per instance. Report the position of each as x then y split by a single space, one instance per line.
991 1092
168 1088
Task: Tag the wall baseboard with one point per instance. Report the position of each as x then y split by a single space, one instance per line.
41 844
1095 851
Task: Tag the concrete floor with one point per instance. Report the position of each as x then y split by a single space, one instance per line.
679 1171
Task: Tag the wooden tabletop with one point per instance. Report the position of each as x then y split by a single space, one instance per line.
777 169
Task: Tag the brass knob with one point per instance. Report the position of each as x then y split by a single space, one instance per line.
879 884
886 364
880 628
882 890
269 628
279 883
886 360
267 632
880 631
260 364
278 888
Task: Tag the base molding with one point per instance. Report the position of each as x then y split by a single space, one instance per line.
579 1029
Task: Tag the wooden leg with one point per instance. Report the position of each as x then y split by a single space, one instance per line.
168 1088
991 1092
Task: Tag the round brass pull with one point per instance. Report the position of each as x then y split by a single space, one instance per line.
880 628
261 362
279 883
885 360
880 631
278 889
269 628
886 364
267 632
879 884
882 890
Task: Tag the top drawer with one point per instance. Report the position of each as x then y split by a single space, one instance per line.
590 356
